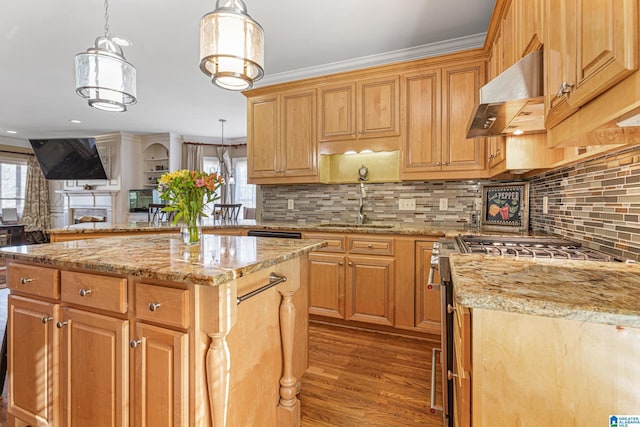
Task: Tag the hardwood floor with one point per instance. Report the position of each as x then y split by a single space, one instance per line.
359 378
362 378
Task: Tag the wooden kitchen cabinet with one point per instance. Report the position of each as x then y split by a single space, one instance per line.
360 109
281 138
326 285
160 363
427 304
94 367
529 24
438 103
369 289
33 361
589 47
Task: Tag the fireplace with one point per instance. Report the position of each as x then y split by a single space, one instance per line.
89 206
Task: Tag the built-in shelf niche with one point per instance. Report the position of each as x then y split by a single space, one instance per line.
156 163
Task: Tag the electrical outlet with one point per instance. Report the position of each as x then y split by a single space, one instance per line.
545 205
290 204
407 205
444 204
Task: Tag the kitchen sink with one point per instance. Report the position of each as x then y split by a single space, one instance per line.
343 225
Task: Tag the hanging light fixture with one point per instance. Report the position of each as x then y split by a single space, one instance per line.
231 46
103 76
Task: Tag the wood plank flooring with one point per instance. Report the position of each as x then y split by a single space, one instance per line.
360 378
363 378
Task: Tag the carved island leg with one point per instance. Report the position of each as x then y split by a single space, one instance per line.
289 406
218 368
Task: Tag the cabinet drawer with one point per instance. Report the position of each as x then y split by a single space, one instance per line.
160 304
334 243
370 245
94 290
462 339
41 281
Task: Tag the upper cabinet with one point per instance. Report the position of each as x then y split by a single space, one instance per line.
357 110
437 104
590 45
281 138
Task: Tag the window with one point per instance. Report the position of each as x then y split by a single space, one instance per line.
13 182
242 192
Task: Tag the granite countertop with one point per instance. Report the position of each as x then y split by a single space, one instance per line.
395 228
590 291
216 260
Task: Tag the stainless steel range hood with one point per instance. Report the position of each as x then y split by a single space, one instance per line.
513 100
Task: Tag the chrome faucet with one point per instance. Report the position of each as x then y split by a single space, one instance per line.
361 215
363 175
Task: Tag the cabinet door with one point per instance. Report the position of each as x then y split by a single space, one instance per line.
94 367
606 46
326 285
529 26
263 137
161 377
461 90
299 150
379 103
32 361
421 124
427 295
370 289
509 42
337 112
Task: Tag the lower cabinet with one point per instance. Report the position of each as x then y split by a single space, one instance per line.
326 285
369 289
427 301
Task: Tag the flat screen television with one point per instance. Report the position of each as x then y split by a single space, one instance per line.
69 158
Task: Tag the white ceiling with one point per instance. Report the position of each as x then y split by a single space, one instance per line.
39 39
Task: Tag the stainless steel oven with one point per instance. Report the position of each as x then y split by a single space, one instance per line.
504 246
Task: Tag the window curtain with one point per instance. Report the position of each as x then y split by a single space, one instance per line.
195 157
35 216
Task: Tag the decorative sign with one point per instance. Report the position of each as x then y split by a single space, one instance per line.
505 207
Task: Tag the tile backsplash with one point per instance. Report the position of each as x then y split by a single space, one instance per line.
318 203
596 202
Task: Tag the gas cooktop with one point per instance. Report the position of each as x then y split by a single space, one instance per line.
530 247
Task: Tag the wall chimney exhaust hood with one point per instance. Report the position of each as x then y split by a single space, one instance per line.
513 102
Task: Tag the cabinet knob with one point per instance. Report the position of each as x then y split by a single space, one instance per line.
25 280
135 343
340 263
450 308
492 156
444 163
370 246
451 375
153 306
438 163
350 263
564 89
46 319
359 132
84 292
59 325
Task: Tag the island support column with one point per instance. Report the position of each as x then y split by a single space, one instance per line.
289 406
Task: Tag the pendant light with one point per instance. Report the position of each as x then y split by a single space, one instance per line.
231 46
103 76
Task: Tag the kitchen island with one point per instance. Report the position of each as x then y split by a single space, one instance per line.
545 342
146 331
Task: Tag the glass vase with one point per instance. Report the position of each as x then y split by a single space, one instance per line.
191 230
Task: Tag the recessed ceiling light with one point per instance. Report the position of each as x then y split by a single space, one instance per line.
75 121
518 132
12 131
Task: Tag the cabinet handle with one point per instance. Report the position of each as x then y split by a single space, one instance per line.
59 325
370 246
340 263
432 402
450 308
135 343
45 319
438 163
25 280
360 132
564 89
451 375
84 292
492 156
350 264
444 163
153 306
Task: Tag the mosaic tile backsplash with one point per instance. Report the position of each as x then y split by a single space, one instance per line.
596 202
320 203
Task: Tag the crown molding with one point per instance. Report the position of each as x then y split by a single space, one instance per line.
400 55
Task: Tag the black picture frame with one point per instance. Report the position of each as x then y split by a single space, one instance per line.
505 207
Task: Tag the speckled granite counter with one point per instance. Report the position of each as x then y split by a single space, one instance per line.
217 260
607 293
209 226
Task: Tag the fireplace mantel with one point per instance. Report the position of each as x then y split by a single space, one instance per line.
106 200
